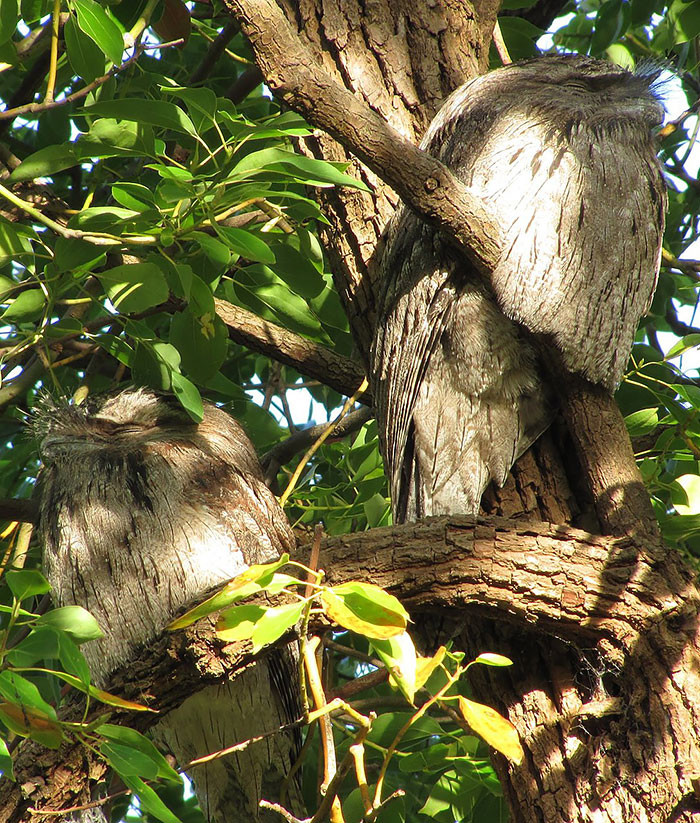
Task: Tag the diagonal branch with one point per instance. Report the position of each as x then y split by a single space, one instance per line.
294 76
309 358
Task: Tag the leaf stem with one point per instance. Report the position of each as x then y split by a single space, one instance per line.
53 54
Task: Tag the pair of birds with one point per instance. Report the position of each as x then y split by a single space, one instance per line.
143 511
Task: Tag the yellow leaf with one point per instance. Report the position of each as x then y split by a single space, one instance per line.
425 666
29 722
248 582
365 609
495 729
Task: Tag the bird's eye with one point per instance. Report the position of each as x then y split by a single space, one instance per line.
579 85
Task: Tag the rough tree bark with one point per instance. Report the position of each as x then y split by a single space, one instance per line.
609 701
629 758
604 631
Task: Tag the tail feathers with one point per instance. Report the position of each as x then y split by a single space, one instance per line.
460 443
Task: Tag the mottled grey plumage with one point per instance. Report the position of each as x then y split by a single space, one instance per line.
560 150
142 513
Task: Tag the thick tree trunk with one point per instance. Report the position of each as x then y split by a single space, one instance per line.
608 721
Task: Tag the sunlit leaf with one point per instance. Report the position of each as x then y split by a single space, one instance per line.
252 580
365 608
75 621
492 659
425 666
274 623
27 721
239 622
26 583
493 727
690 483
398 654
100 27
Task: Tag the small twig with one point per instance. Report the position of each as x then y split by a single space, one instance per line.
239 747
500 44
360 684
53 53
301 440
321 713
287 815
312 577
350 402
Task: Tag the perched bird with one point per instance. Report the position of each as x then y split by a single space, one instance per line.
142 513
561 152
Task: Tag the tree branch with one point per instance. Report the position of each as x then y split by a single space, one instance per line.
294 76
590 591
309 358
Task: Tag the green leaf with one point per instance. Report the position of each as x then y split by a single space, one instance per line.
45 162
218 252
398 654
376 509
188 395
27 583
40 644
520 36
109 138
6 763
274 623
134 287
642 422
148 799
9 18
685 19
134 740
298 271
125 760
245 243
13 243
33 10
133 195
100 27
27 306
75 621
85 57
16 689
239 622
72 659
75 255
159 113
365 608
201 103
259 289
609 25
310 171
202 342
